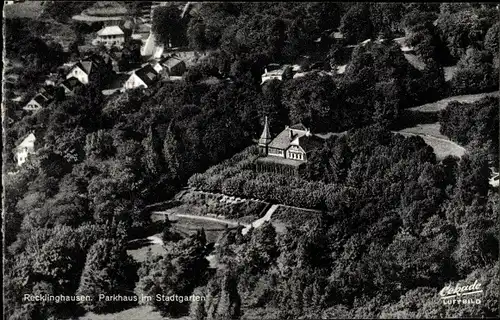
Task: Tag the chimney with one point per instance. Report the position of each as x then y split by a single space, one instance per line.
291 134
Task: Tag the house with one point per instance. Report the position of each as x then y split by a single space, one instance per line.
110 36
142 78
82 69
113 58
69 86
38 102
24 149
290 148
272 71
174 66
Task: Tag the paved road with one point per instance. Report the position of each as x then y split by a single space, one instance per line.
257 223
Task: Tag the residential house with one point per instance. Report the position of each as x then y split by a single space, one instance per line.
70 85
110 36
38 102
113 58
290 148
25 148
82 69
273 71
142 78
174 66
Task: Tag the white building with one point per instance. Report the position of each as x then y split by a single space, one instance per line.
81 71
142 78
38 102
110 36
25 148
273 71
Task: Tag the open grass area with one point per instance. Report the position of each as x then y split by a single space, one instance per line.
28 9
430 129
441 104
442 147
137 313
189 226
141 252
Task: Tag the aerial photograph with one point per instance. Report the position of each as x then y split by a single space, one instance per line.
250 160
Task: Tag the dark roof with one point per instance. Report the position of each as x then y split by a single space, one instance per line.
41 100
306 141
89 62
309 143
282 140
147 74
172 62
71 83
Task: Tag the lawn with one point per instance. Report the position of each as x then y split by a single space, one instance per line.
137 313
441 104
430 129
28 9
140 254
442 147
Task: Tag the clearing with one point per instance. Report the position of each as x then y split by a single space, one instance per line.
441 104
27 9
442 147
139 312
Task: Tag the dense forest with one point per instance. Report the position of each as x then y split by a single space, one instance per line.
397 225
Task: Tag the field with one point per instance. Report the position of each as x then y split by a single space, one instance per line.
441 104
28 9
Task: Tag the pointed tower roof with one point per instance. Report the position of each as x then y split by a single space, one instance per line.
265 137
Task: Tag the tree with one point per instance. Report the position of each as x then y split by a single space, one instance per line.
168 26
491 40
172 152
181 271
356 25
109 271
475 73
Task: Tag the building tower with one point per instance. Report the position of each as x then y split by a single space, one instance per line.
265 139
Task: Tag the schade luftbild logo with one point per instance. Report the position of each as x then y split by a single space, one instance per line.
462 294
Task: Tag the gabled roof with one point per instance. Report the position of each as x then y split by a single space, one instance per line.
85 66
299 132
71 83
283 140
26 140
41 100
110 31
147 74
172 62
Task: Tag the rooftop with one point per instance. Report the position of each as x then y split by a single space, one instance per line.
147 74
110 31
283 140
27 140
